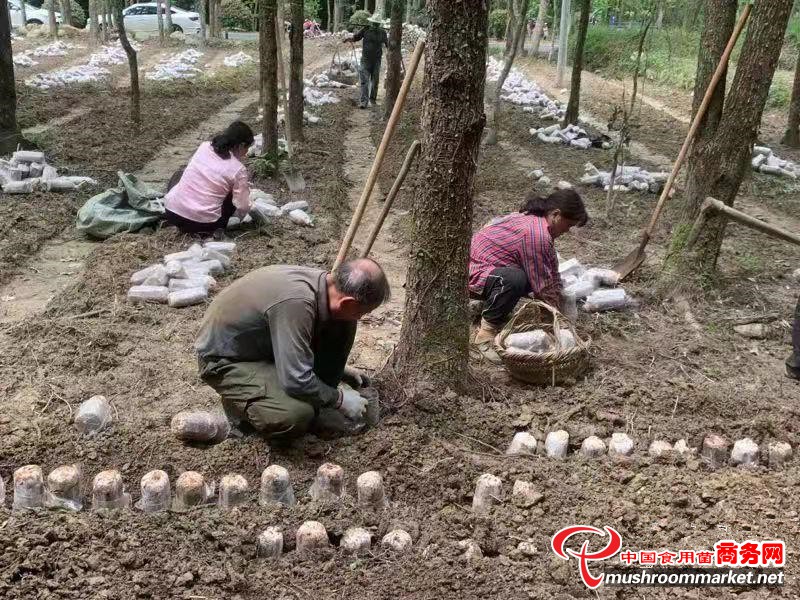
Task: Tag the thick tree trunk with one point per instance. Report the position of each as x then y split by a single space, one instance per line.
93 29
792 135
295 116
511 25
204 23
494 107
660 17
329 22
721 155
51 19
66 13
434 339
563 42
338 15
212 18
394 58
573 106
160 19
218 17
539 28
133 64
168 16
9 132
409 6
107 21
268 50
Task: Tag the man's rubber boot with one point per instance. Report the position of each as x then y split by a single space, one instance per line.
486 333
793 367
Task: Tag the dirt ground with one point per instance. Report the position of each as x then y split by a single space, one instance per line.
653 376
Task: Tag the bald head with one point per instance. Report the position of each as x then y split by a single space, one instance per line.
364 281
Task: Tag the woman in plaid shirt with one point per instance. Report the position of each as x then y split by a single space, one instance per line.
514 256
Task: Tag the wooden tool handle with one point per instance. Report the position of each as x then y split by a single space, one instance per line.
376 164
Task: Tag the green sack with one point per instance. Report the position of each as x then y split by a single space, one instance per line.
127 208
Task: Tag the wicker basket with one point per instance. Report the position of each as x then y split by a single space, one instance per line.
544 368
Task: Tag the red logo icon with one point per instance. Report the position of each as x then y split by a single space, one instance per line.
584 556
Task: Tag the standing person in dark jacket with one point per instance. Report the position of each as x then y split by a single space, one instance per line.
374 39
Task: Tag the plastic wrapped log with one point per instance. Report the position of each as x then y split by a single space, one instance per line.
191 489
356 541
256 194
36 170
371 493
200 426
297 205
487 491
19 187
601 300
226 248
233 490
373 415
63 184
174 269
187 297
107 491
202 281
299 217
49 173
762 150
210 267
64 485
311 536
148 293
329 483
276 488
93 415
28 487
606 277
156 492
211 254
28 156
157 277
522 443
270 543
139 277
397 541
769 170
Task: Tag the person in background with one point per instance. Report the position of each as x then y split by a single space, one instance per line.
515 256
374 39
793 361
214 186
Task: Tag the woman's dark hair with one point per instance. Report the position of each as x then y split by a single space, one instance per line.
236 134
568 202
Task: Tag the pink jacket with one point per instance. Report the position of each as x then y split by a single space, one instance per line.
205 183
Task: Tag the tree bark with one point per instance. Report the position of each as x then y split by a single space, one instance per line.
133 64
168 16
434 339
66 15
329 23
218 17
394 58
511 25
494 107
93 29
203 23
212 18
107 24
295 116
160 19
563 42
539 28
792 135
338 15
9 131
721 154
573 106
268 50
51 18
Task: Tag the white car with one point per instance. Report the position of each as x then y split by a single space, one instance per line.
34 16
143 17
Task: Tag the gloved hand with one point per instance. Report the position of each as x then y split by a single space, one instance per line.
353 405
355 378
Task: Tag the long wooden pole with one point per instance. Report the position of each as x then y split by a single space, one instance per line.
712 205
387 204
635 258
376 164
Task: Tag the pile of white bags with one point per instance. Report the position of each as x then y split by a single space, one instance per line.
57 48
315 97
322 80
265 209
571 135
585 285
110 55
68 76
27 171
237 60
517 89
765 161
629 178
538 341
182 278
177 66
258 145
24 60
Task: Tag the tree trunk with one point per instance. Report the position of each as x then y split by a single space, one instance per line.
212 18
93 29
218 17
295 116
160 19
563 40
329 25
168 16
107 24
660 17
721 154
394 58
9 132
51 17
268 51
494 107
511 26
792 135
66 15
338 15
409 6
434 339
573 106
203 22
282 93
24 12
133 64
539 28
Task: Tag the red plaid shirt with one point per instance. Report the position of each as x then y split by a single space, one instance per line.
517 240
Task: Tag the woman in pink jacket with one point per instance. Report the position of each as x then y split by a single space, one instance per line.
214 185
